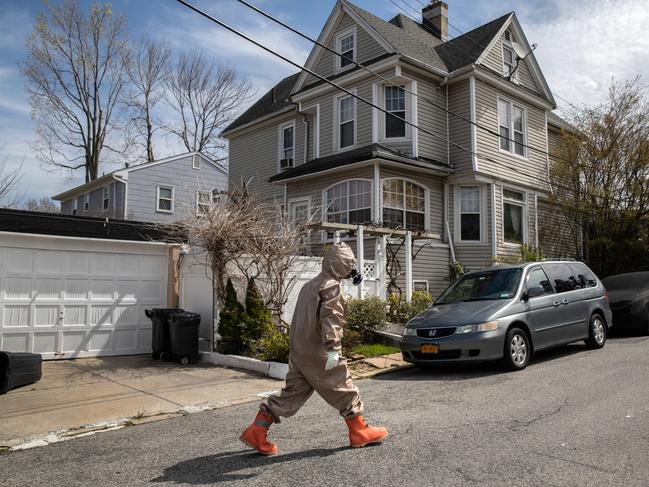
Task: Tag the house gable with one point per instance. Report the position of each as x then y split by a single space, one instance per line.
528 73
368 44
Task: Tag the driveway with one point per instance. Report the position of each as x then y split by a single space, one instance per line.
77 393
574 417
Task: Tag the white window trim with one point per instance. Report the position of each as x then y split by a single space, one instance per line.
426 198
339 37
418 281
336 117
196 161
157 199
75 205
523 204
105 190
198 193
409 109
280 144
510 46
302 199
457 222
513 104
86 203
324 204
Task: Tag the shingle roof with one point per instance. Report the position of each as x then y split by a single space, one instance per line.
357 155
273 101
467 48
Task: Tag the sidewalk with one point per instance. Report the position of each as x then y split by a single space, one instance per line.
118 391
370 367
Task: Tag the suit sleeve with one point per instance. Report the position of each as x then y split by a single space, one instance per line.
332 317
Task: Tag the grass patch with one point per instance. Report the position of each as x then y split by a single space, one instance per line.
4 450
374 350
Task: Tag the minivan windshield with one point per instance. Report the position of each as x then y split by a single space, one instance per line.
483 286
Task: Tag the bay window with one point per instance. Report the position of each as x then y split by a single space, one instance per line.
514 216
469 213
349 202
404 205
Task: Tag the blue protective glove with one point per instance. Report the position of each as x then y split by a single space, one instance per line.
332 360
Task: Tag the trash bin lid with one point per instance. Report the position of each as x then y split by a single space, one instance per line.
184 316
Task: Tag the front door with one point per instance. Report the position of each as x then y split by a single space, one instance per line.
543 314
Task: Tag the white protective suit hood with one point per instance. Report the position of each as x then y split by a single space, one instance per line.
339 261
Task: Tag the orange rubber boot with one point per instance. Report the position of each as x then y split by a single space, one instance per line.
255 435
360 434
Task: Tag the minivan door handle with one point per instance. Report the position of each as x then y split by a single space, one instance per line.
556 303
565 301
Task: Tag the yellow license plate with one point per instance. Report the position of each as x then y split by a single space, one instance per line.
429 348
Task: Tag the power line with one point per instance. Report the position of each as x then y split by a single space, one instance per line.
363 100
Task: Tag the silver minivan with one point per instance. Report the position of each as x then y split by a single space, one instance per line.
507 313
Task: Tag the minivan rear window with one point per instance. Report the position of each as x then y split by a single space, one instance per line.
563 277
585 276
483 286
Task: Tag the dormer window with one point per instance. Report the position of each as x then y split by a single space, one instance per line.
287 146
346 46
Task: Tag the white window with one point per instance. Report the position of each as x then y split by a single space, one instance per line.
470 214
346 46
509 58
299 210
346 122
196 161
395 105
349 202
420 286
203 202
287 146
165 199
86 204
404 205
512 122
514 217
106 195
75 205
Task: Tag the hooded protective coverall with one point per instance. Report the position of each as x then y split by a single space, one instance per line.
317 328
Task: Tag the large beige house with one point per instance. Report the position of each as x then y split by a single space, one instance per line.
466 173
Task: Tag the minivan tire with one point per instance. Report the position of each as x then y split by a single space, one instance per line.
596 332
517 349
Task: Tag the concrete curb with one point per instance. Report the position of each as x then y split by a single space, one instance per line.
274 370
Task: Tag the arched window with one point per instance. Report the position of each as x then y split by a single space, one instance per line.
404 205
349 202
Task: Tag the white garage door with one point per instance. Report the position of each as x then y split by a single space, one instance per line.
71 297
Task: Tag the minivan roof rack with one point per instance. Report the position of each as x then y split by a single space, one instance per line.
565 259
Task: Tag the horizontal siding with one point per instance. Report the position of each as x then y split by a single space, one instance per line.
430 265
532 171
513 250
558 237
366 46
459 102
178 173
253 158
494 61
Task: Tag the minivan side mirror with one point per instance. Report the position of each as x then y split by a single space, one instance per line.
534 292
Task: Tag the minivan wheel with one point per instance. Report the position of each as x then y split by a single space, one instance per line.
596 332
517 350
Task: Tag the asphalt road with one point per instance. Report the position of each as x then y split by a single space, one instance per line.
573 417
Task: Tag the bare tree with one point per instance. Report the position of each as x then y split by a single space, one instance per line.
8 179
601 179
43 205
74 75
206 98
148 71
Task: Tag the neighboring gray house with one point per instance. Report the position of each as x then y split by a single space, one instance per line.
470 183
161 191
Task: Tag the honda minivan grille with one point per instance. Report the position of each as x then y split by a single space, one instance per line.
433 333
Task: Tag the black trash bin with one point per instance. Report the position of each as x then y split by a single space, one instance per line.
160 331
183 334
19 369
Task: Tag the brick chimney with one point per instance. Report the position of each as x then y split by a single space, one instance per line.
435 16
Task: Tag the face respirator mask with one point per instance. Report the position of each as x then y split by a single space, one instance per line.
355 276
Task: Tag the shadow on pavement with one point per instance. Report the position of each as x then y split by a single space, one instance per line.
229 466
454 372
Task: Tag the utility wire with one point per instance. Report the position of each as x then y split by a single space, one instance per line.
363 100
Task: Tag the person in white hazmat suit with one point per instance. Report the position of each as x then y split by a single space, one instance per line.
315 360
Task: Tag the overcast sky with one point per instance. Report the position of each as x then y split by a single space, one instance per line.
582 46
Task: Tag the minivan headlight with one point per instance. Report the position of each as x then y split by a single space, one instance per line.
409 332
489 326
